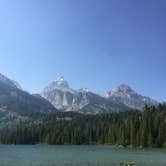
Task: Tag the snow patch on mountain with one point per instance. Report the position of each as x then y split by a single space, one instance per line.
65 98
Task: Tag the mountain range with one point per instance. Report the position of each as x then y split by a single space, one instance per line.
59 96
121 98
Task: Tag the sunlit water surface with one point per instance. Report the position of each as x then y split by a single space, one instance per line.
37 155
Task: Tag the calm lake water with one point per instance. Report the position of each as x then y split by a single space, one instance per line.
78 156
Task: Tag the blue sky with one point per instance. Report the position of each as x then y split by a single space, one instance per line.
97 44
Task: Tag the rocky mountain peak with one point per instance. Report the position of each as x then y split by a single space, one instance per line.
64 98
58 84
61 83
123 88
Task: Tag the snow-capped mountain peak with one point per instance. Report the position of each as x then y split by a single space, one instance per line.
126 95
61 83
65 98
122 89
59 93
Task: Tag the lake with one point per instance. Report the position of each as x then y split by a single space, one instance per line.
39 155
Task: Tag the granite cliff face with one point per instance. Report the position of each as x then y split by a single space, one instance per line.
60 95
121 98
126 95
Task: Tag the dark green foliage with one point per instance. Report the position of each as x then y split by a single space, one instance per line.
18 107
127 164
145 128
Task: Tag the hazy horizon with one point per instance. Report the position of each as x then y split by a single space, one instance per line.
94 44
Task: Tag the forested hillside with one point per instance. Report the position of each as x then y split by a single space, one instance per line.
146 128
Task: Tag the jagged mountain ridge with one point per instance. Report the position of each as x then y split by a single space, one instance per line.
121 98
20 107
64 98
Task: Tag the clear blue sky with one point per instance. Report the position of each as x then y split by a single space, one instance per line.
93 43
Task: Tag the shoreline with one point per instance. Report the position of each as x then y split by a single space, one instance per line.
90 145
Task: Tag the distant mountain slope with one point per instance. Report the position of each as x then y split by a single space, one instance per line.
126 95
97 104
65 98
9 82
16 100
18 107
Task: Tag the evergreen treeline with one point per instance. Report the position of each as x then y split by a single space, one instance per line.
145 128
